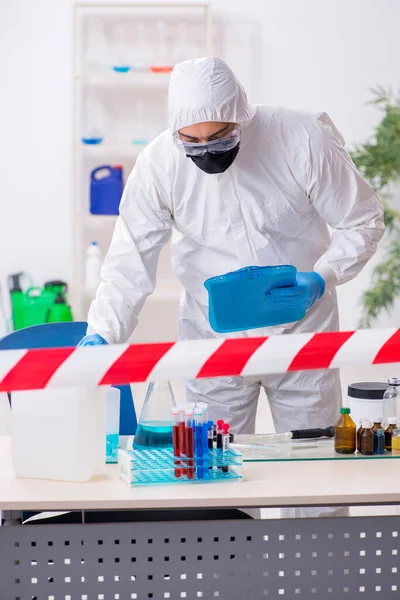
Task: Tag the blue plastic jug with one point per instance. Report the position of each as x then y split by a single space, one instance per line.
238 301
105 190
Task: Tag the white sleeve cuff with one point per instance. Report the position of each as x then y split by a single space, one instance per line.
105 335
328 275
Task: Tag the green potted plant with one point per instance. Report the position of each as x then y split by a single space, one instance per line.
378 159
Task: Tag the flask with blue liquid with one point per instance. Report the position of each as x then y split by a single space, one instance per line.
154 429
92 134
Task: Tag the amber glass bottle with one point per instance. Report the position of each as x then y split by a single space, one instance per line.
367 439
389 433
359 432
377 424
345 433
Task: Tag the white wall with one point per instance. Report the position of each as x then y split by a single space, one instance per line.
35 116
312 54
327 56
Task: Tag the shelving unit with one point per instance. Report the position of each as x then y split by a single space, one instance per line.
105 150
103 33
99 220
150 80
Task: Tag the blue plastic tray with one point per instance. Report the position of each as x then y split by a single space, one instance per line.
239 301
157 466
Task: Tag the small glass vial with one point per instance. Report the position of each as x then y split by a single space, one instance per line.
379 441
396 441
367 439
359 432
377 424
345 433
391 399
392 425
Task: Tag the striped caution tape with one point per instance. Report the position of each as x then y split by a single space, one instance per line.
120 364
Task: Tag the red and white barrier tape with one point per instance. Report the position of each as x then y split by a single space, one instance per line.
119 364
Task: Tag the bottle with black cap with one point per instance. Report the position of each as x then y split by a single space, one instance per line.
60 311
365 399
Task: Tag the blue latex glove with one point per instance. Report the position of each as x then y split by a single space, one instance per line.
92 340
308 289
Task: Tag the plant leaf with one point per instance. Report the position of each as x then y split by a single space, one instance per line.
385 285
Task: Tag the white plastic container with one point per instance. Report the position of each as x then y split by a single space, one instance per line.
112 424
365 400
59 434
94 260
5 415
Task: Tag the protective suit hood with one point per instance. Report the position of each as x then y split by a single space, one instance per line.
206 89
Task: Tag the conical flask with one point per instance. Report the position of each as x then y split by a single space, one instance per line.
154 429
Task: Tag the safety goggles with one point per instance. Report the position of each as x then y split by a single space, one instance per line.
216 146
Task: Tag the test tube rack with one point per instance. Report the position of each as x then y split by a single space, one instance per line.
158 466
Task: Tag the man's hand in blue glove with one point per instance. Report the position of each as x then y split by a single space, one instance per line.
309 288
92 340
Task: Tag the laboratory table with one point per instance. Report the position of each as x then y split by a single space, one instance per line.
330 558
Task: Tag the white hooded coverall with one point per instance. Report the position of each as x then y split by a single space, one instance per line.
291 178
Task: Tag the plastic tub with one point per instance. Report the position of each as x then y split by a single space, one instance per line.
239 300
365 400
59 433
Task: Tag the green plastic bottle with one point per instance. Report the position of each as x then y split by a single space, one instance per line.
60 311
31 306
345 433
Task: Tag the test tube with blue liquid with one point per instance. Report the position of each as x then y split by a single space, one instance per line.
204 408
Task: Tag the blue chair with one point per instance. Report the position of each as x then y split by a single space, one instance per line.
61 335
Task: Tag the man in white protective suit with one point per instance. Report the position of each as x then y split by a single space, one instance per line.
238 185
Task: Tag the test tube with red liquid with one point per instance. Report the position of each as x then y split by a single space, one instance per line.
176 441
189 442
182 438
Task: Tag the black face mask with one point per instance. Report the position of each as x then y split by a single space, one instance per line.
215 163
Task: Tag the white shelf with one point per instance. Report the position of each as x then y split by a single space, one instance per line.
110 150
131 78
98 220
